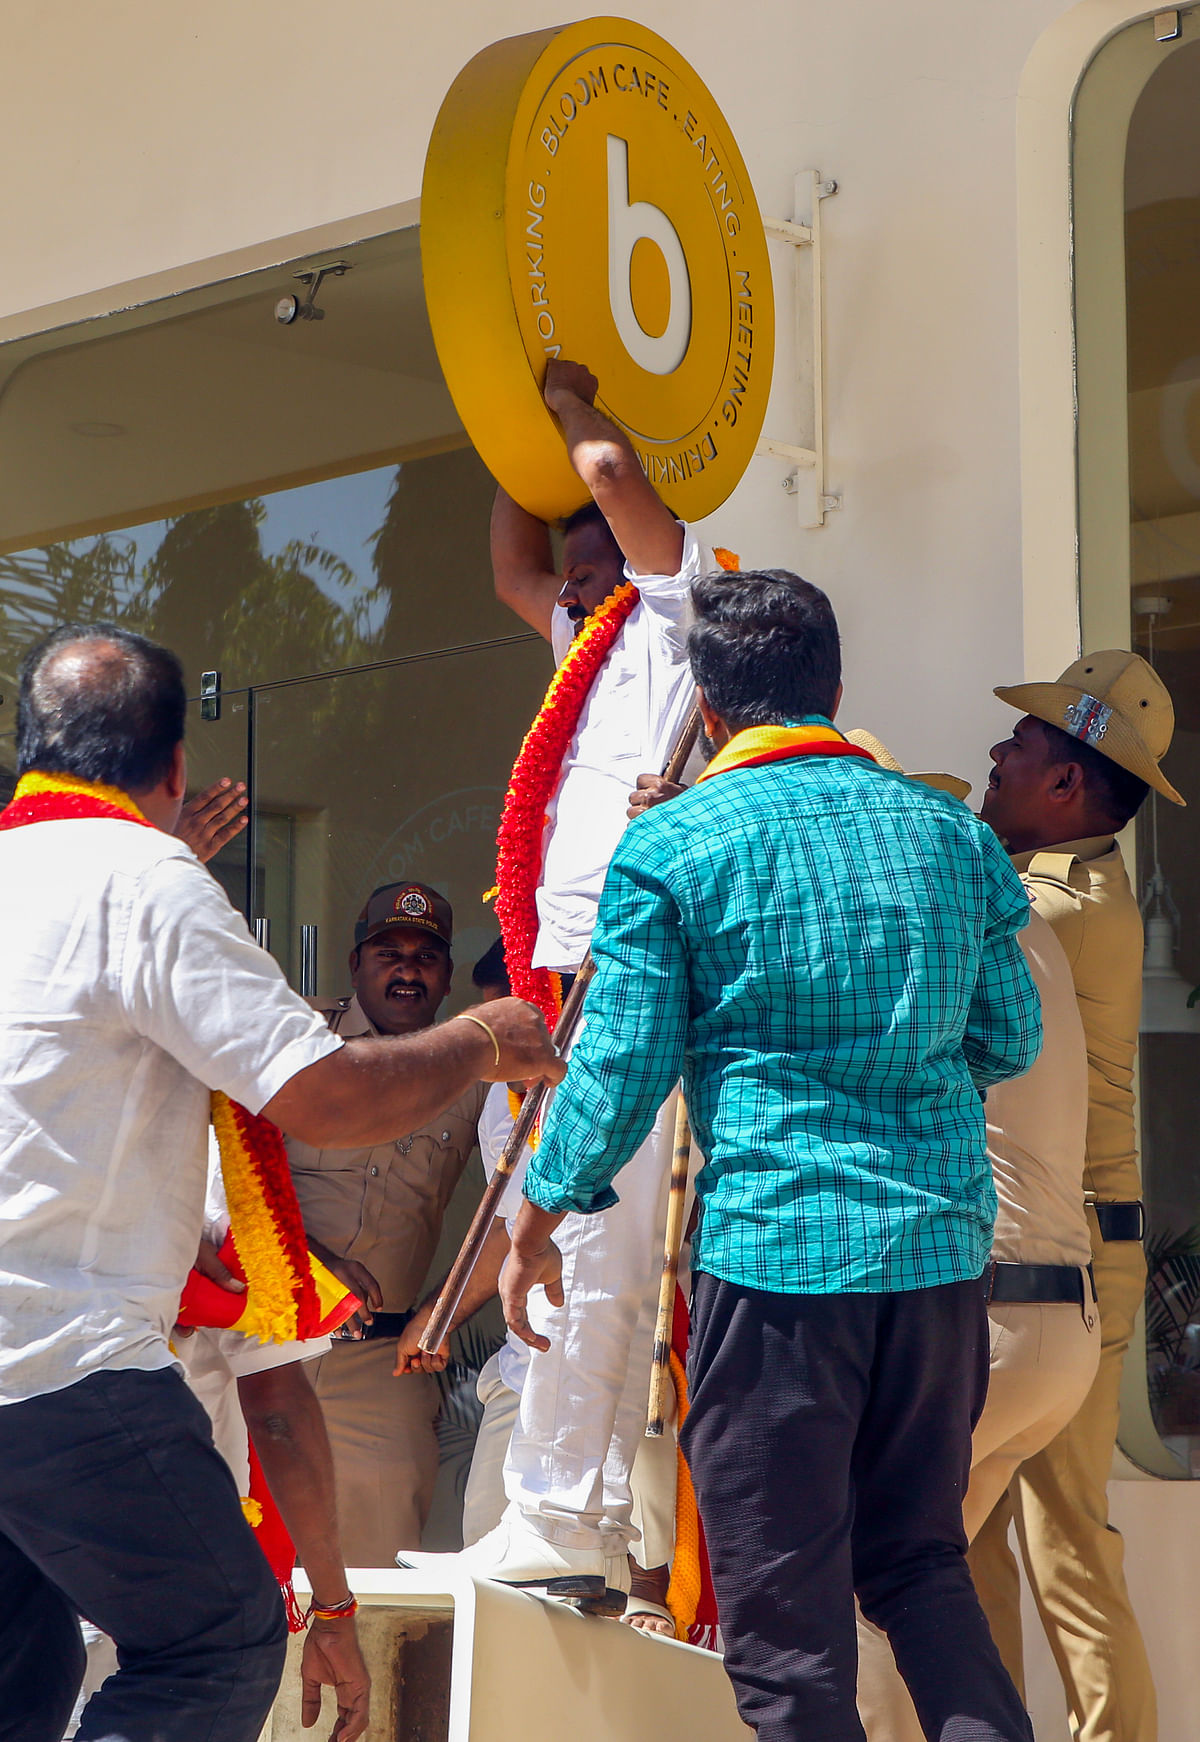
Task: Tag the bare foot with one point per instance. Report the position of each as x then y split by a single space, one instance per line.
645 1623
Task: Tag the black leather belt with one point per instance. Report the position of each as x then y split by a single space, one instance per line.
386 1325
1121 1221
1036 1284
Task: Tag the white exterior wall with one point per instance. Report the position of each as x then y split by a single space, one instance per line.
151 147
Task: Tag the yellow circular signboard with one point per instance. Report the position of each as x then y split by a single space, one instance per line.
584 198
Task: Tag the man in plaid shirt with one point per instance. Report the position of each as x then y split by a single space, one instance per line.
828 955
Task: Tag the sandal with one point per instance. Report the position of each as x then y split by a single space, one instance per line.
636 1606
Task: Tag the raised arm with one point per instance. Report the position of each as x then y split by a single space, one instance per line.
523 563
642 524
372 1088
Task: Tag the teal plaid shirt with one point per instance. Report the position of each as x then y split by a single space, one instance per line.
827 953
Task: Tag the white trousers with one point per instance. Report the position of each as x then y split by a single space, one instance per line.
583 1406
652 1479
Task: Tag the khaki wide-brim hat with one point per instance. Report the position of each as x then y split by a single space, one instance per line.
1116 702
940 782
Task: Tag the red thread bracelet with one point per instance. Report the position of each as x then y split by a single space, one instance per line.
339 1612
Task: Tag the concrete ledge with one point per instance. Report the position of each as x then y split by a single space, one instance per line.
456 1659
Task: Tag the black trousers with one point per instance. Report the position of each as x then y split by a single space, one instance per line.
829 1439
115 1505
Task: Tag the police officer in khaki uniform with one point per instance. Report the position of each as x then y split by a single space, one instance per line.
1043 1323
382 1209
1076 769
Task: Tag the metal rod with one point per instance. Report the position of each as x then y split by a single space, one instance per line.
308 961
287 683
660 1372
251 836
454 1287
262 933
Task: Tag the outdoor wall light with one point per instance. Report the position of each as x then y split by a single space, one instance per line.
291 308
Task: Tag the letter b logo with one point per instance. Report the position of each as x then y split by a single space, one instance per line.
628 225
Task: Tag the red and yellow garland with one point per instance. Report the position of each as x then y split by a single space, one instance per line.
533 783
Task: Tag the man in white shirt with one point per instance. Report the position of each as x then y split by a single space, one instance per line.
583 1403
131 989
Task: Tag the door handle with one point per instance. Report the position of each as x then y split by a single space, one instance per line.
308 961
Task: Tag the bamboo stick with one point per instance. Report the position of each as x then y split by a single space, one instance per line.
660 1371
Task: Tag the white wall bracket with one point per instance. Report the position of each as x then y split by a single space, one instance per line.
802 232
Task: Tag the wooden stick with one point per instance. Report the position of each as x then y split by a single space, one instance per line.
660 1372
454 1287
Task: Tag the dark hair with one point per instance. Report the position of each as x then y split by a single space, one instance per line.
764 647
1114 791
491 969
590 515
114 716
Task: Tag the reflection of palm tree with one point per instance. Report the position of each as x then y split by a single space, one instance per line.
213 593
60 583
209 591
434 566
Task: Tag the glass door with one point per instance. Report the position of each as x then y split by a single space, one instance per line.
216 739
382 775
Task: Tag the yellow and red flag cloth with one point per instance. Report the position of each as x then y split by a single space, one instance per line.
761 744
690 1596
533 783
205 1302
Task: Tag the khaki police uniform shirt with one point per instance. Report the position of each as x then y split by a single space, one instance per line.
1082 889
384 1205
1037 1124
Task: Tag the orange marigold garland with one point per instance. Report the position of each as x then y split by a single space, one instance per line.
265 1220
534 781
532 785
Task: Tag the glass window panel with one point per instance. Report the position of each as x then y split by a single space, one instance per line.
369 566
385 776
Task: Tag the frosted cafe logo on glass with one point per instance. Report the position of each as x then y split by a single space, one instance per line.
584 198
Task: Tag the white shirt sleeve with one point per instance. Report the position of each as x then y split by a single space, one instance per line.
495 1124
195 983
670 596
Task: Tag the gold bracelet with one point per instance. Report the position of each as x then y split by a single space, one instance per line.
465 1016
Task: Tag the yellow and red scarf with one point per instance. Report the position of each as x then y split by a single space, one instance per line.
761 744
534 781
290 1295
